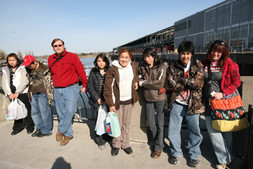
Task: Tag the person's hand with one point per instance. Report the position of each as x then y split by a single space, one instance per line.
11 96
135 86
112 109
83 90
218 95
99 101
16 95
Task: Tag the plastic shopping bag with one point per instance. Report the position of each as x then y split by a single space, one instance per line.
100 124
112 125
21 110
11 112
16 110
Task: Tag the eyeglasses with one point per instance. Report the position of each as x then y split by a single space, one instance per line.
55 46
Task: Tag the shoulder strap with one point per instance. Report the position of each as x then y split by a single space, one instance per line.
59 58
209 72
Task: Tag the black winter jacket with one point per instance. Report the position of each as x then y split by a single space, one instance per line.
93 87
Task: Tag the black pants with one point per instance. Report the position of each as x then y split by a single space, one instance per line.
26 122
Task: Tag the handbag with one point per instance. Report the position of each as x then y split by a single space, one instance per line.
162 90
16 110
101 124
228 113
112 125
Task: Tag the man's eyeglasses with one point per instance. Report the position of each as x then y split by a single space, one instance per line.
55 46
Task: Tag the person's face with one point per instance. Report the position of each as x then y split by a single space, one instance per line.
185 57
32 66
215 55
58 47
149 60
124 59
101 64
12 61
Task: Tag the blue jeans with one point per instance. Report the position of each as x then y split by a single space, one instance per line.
221 141
177 114
156 131
66 106
41 113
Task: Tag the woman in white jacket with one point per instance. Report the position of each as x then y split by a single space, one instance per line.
15 85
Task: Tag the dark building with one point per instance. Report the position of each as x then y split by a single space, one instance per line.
231 20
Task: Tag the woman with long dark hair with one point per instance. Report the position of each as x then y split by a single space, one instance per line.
15 85
221 79
95 88
152 78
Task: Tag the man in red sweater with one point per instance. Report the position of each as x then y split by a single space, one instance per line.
66 70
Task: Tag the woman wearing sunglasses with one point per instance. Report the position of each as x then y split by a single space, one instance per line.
221 79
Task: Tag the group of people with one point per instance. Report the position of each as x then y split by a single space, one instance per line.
37 85
186 84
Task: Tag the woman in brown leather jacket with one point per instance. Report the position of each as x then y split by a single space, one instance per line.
153 75
120 94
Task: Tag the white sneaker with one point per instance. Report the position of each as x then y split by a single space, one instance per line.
221 166
101 147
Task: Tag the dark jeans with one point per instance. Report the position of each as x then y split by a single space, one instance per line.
26 122
156 131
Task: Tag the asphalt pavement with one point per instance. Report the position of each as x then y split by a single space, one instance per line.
22 151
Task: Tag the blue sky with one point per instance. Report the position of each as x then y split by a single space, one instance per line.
87 26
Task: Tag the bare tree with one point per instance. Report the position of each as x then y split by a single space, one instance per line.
29 53
20 55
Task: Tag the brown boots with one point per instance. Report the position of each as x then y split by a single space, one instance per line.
63 139
59 136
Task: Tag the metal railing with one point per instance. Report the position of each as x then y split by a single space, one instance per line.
84 109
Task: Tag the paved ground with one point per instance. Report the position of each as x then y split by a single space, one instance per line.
25 152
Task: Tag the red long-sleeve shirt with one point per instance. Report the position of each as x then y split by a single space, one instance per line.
67 70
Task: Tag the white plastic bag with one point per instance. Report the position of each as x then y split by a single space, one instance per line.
100 124
112 125
21 110
11 112
16 110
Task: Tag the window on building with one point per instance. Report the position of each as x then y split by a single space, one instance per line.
225 34
189 24
243 31
235 32
236 11
251 36
226 15
208 21
244 10
213 19
180 27
251 11
220 17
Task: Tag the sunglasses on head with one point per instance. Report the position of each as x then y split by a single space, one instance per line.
57 46
219 42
